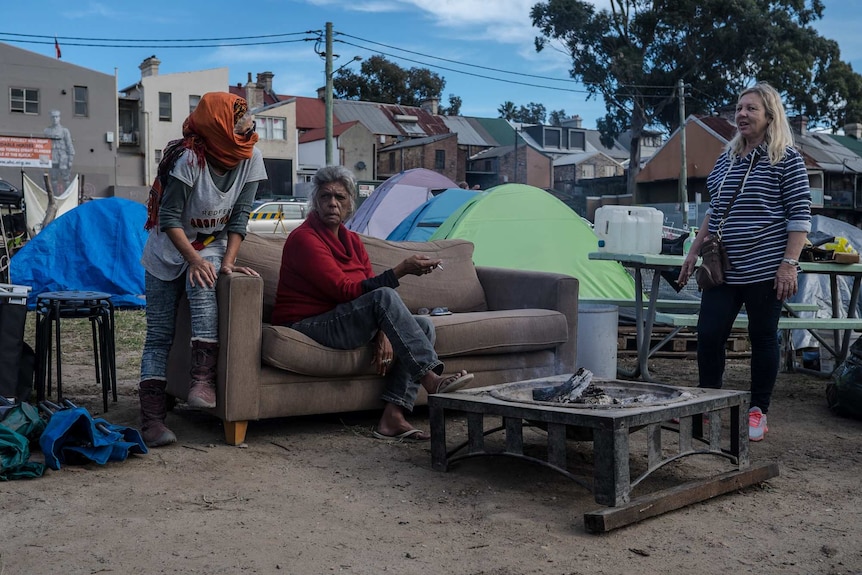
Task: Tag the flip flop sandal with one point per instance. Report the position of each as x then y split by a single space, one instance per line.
454 383
409 435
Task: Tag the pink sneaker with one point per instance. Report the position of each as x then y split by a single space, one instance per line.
756 424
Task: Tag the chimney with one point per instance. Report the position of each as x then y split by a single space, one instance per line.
253 94
577 121
431 105
853 130
799 124
264 80
321 93
150 67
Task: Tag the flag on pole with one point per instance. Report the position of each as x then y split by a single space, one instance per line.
57 48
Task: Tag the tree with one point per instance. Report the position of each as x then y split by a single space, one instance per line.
507 110
380 80
454 107
557 117
634 54
532 113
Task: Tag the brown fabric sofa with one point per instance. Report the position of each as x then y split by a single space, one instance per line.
506 325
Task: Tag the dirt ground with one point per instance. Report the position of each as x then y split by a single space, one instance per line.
321 495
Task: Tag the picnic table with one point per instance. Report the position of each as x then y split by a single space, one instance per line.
648 312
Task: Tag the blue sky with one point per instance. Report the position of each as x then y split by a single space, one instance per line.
437 34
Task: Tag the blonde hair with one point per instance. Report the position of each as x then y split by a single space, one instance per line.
778 134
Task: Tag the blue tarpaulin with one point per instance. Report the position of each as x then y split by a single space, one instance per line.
95 247
73 437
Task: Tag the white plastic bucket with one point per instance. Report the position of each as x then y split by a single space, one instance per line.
597 339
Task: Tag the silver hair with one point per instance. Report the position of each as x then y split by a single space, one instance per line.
330 174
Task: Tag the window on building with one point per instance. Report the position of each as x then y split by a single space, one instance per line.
552 138
608 171
271 128
165 106
82 101
193 102
391 162
439 159
24 100
588 171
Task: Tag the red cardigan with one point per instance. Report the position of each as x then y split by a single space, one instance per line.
318 271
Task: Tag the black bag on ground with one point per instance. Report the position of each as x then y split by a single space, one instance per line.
713 263
844 392
12 320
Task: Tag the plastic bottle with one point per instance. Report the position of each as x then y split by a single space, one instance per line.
686 245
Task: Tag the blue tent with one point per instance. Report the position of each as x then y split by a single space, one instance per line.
95 247
424 220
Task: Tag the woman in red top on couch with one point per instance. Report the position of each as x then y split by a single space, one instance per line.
328 291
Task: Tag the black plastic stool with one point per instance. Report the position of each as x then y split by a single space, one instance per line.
95 306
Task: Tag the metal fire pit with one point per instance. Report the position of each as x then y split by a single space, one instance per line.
640 406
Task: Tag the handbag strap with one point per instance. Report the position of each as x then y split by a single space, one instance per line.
754 159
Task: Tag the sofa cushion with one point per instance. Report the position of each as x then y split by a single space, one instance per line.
455 286
290 350
459 334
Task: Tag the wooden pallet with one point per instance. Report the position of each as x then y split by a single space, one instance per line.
683 344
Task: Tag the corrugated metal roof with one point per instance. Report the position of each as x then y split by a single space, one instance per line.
310 113
320 133
499 129
829 153
468 135
577 158
417 142
426 123
368 113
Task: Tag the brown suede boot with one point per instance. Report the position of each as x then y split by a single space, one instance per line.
151 393
202 391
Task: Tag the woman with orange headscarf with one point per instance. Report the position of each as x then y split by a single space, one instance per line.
197 216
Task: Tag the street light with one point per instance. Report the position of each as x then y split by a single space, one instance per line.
328 91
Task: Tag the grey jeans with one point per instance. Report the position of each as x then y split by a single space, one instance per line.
163 298
355 323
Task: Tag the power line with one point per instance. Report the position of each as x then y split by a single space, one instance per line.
472 74
457 61
160 46
257 36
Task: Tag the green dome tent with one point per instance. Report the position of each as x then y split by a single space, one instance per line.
523 227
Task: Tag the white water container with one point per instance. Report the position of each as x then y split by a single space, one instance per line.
629 229
649 223
617 228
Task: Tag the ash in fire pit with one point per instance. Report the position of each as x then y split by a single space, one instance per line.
579 392
578 389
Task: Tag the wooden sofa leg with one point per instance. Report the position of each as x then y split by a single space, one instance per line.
234 431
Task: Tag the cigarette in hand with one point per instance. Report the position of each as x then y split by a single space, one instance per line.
438 267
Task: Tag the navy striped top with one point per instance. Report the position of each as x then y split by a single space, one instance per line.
774 200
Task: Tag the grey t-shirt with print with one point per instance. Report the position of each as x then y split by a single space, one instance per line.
206 213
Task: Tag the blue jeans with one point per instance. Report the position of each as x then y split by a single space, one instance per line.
355 323
163 298
719 307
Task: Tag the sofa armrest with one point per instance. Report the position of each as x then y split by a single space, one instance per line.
240 304
523 289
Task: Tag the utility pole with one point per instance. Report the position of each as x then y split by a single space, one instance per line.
328 94
683 169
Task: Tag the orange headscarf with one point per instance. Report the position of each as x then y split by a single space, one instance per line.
208 131
213 122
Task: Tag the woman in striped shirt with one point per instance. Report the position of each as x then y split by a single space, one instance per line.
764 232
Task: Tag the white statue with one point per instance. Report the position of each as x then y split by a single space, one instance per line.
62 154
